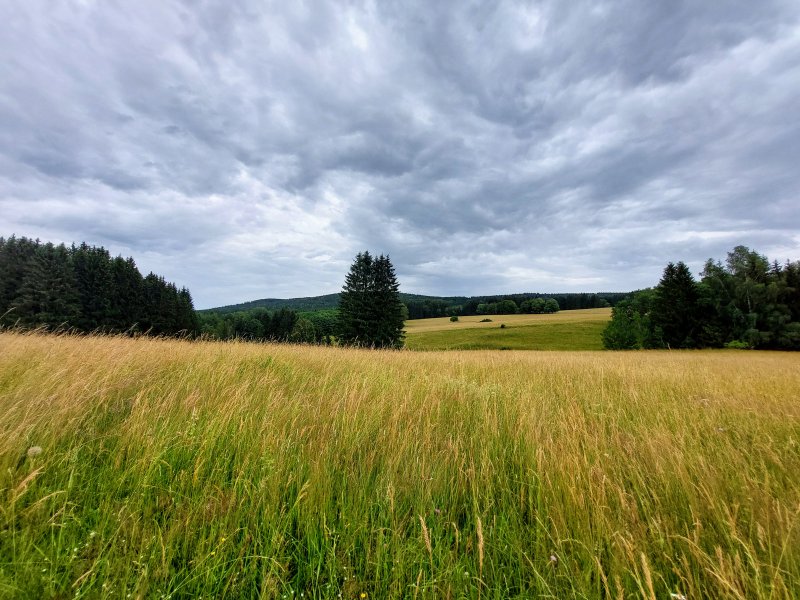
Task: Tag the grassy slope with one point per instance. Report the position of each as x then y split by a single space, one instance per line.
236 470
566 330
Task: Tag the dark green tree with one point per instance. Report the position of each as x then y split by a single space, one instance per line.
630 327
388 312
47 296
126 303
16 254
187 322
675 308
303 332
551 306
370 311
354 303
92 266
507 307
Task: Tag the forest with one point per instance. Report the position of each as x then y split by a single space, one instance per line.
82 288
745 302
425 307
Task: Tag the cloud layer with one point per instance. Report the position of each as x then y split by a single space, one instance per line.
250 149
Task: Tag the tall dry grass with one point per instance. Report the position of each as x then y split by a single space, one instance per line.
179 469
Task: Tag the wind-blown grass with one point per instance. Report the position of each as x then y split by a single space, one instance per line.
182 469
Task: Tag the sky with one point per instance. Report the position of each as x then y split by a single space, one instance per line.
250 149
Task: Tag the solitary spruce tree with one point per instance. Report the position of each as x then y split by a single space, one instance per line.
675 307
370 310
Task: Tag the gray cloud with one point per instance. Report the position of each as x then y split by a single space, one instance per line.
249 149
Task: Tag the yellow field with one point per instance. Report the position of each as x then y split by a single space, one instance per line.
152 468
566 316
566 330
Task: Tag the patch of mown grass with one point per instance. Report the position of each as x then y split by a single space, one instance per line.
179 469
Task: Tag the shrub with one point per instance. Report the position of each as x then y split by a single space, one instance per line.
738 345
453 319
502 325
485 321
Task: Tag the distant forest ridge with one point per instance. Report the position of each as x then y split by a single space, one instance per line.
422 306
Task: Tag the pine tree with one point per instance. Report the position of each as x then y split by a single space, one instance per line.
387 309
370 310
48 295
92 267
187 322
16 254
354 312
675 307
127 296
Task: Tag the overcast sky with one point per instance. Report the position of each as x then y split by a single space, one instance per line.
250 149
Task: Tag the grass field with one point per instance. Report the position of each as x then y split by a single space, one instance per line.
566 330
167 469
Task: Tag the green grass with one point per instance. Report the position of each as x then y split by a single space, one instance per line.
548 336
230 470
567 330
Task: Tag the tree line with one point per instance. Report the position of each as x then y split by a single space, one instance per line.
82 288
262 325
507 304
745 302
370 314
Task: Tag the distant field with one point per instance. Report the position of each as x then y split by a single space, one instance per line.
141 468
565 330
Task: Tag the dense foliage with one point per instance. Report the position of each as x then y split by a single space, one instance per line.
747 302
261 325
425 307
370 311
305 304
82 288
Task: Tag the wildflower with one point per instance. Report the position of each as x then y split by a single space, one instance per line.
363 595
553 559
34 451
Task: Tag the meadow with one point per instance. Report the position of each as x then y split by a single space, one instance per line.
145 468
565 330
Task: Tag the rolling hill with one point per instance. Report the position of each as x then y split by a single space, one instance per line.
327 301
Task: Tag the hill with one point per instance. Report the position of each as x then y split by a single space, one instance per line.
426 304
